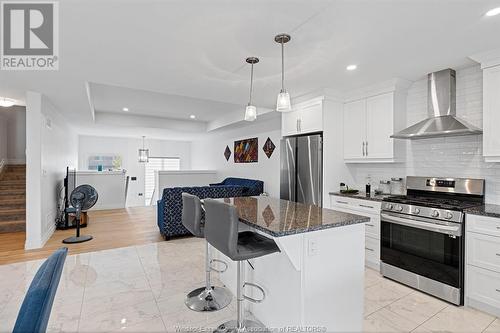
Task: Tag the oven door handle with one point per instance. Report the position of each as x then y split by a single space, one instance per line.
453 230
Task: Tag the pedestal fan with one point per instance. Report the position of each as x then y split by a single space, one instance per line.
82 198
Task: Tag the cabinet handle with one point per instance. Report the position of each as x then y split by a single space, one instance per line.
498 227
498 254
498 290
363 148
366 148
366 206
297 124
300 125
342 202
370 225
372 250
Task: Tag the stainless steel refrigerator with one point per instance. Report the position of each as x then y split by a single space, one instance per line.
301 177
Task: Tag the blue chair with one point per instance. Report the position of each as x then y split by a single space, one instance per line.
34 314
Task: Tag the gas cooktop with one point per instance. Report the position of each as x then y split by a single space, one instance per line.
434 202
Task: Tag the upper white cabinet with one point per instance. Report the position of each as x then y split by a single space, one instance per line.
306 117
368 124
354 129
490 63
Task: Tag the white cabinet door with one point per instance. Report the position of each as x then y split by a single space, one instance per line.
379 126
354 129
311 118
290 123
491 113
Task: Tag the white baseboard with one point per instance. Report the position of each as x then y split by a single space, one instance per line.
16 161
48 233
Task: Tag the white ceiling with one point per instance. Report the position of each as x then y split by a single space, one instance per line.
113 99
146 55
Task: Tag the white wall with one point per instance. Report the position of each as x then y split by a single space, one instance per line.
14 120
128 148
3 141
209 154
452 156
51 146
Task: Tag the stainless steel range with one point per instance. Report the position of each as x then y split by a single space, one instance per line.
422 243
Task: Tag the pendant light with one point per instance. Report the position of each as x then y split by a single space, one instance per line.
251 110
143 153
283 103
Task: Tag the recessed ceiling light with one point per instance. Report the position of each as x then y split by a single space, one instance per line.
351 67
125 109
493 12
192 116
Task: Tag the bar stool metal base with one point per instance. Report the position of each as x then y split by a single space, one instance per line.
204 300
248 326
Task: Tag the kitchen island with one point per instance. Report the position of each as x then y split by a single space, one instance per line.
316 282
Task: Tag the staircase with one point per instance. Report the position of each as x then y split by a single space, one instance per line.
13 199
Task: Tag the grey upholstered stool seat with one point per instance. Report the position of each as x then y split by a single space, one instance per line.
221 231
208 298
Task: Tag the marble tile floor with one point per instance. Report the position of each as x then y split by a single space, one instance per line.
142 289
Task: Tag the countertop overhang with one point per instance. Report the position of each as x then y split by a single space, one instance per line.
280 218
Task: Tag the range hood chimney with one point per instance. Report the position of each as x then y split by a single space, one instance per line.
441 107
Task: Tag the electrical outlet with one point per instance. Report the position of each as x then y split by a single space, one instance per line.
312 248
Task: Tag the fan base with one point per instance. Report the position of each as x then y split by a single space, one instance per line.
74 239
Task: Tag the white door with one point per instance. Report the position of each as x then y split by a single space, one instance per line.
380 126
311 118
491 112
354 129
289 123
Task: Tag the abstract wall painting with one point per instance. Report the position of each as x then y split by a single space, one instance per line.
246 151
269 147
227 153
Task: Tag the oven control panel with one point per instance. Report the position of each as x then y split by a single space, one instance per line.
422 211
446 183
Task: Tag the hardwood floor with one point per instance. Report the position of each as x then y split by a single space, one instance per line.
110 229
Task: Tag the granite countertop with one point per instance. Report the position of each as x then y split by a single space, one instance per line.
485 210
362 196
279 218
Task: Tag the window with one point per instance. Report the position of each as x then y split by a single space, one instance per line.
105 162
157 164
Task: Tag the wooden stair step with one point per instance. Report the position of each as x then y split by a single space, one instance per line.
10 191
12 214
12 226
12 201
12 205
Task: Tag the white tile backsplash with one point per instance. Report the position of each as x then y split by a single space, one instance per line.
451 156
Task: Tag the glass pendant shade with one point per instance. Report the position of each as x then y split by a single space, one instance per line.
250 113
143 155
283 103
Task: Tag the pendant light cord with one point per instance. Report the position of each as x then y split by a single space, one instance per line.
282 66
251 86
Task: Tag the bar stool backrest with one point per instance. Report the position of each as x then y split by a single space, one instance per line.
191 214
221 227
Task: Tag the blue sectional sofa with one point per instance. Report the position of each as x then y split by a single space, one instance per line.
251 186
169 213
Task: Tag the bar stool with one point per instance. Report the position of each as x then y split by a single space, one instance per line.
221 231
208 298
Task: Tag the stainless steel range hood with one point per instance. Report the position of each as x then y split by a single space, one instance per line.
441 106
